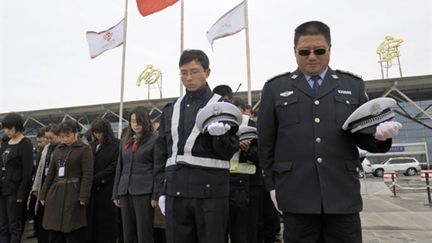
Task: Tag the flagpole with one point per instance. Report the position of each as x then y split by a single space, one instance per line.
181 37
120 126
249 92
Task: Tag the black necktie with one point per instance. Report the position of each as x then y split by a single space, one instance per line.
315 85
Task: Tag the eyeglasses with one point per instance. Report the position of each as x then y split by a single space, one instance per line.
193 73
316 52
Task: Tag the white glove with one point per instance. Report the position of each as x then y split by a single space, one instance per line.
386 130
218 128
161 203
273 198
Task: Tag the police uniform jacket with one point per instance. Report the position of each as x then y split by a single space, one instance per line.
134 173
311 162
184 179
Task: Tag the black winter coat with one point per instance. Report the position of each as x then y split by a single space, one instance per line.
102 213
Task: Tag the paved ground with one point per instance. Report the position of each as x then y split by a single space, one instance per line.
386 218
404 218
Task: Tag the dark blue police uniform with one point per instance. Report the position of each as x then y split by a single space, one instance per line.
311 162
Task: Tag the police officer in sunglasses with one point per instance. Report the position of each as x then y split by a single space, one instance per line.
311 165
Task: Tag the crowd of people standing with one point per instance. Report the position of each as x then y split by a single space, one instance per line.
189 180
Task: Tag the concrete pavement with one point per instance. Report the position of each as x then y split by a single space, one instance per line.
403 218
385 218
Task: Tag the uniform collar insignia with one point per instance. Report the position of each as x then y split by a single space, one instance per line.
294 76
335 76
286 93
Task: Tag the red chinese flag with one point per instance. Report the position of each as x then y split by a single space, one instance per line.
147 7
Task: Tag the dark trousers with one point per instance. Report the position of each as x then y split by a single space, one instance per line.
255 219
76 236
102 215
137 217
194 220
11 216
42 234
271 219
328 228
238 215
119 227
159 235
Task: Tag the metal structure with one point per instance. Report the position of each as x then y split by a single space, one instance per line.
151 76
407 89
387 51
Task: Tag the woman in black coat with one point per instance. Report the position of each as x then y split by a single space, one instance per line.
102 212
16 164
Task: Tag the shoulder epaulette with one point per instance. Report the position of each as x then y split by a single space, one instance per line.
278 76
349 73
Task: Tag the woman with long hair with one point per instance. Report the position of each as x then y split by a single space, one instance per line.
16 164
133 185
102 213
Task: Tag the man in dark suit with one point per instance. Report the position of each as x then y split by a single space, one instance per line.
311 165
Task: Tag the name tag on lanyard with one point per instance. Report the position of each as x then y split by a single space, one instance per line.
61 171
62 168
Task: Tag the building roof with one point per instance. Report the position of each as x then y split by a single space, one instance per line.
416 88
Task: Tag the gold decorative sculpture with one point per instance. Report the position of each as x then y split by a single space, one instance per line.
151 76
387 51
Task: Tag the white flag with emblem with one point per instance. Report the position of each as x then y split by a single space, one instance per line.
99 42
229 24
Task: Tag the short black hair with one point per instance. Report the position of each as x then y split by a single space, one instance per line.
194 55
40 134
239 102
224 91
13 120
52 127
69 126
312 28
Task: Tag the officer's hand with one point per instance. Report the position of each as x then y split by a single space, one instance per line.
273 198
42 202
386 130
218 129
154 203
116 202
162 204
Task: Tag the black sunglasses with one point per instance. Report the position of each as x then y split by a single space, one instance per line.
307 52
